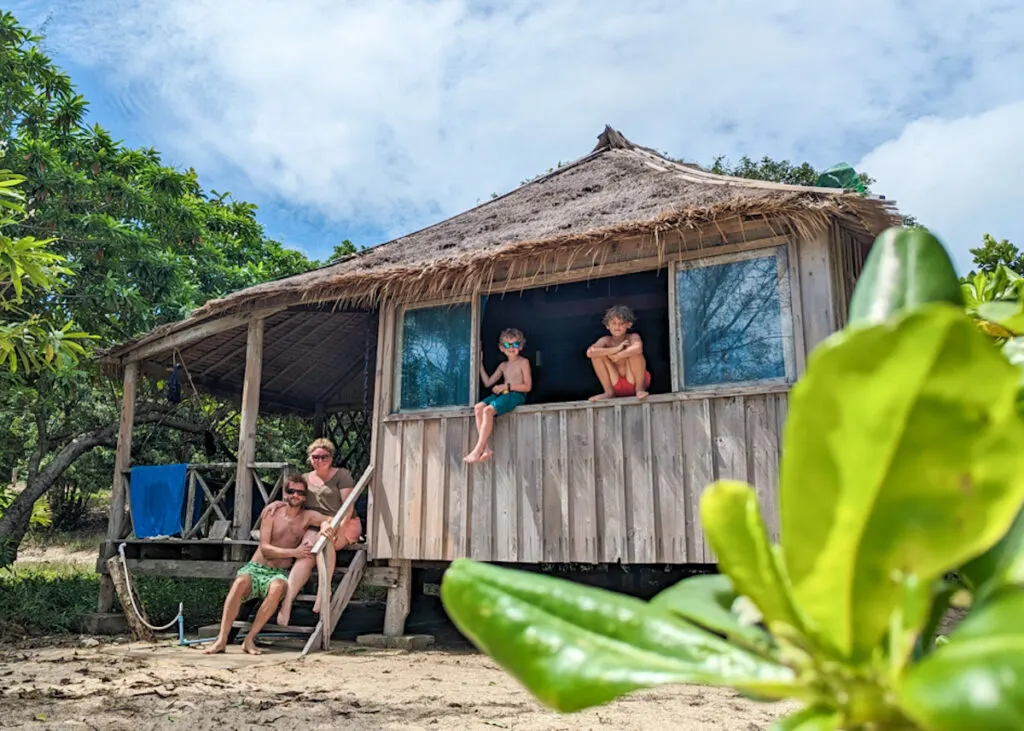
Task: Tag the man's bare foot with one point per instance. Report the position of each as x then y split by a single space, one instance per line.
642 394
603 396
249 647
216 647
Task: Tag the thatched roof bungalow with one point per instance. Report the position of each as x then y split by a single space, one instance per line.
733 282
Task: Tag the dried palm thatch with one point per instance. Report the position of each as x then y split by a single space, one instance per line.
620 189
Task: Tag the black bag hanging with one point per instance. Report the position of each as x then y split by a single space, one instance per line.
174 386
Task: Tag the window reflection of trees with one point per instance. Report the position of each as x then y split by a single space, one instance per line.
435 357
730 321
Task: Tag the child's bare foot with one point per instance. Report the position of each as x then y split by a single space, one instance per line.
284 616
316 605
486 455
473 456
603 396
249 647
642 394
216 647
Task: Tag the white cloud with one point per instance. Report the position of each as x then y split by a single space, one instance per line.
960 177
399 113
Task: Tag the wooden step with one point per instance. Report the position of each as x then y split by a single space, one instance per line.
276 628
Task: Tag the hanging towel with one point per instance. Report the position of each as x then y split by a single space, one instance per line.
157 499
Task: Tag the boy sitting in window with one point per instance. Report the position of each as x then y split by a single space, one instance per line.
618 358
506 396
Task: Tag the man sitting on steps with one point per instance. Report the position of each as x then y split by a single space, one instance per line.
266 575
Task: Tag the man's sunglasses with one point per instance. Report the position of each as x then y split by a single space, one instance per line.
514 344
291 491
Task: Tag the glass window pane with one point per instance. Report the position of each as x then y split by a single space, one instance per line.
731 320
435 357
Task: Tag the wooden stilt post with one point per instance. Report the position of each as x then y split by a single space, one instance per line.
118 493
241 523
399 600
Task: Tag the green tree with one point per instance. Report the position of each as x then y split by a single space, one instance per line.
27 267
141 244
992 254
345 249
783 171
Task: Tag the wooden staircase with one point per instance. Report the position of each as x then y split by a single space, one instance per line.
334 600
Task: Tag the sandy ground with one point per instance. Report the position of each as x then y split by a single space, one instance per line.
141 686
56 555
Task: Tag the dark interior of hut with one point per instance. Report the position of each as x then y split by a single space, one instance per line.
561 321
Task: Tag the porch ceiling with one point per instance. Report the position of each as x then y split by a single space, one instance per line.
311 355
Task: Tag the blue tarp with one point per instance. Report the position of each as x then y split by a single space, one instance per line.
158 499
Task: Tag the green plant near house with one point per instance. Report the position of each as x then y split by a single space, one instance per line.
904 463
42 517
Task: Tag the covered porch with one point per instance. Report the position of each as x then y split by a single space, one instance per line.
313 362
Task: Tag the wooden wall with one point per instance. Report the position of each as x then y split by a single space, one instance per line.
590 484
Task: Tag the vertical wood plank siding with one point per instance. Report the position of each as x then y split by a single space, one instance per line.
606 483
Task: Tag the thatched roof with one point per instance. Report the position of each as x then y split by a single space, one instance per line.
617 190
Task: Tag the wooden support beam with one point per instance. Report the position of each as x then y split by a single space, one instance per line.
399 599
200 331
242 519
336 605
118 493
125 593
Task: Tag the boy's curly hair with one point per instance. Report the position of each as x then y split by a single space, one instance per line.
512 334
620 312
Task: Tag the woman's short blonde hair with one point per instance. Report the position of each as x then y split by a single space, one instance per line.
321 443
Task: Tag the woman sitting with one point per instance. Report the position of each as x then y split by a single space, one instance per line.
329 486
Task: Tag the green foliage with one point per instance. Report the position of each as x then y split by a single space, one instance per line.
345 249
50 599
902 467
42 517
123 243
993 254
27 267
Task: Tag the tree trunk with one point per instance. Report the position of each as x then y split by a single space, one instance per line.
14 523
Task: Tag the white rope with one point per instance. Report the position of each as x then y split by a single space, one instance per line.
131 596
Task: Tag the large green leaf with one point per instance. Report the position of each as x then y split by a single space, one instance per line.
907 267
576 646
1002 564
812 718
1008 315
974 680
903 458
733 526
707 601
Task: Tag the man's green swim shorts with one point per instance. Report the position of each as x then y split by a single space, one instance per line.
261 577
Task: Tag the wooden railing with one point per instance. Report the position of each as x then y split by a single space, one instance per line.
214 522
331 605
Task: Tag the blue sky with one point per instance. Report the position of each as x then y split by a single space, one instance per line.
366 120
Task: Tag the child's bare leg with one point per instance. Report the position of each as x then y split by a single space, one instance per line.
637 368
275 593
239 590
481 451
478 412
607 375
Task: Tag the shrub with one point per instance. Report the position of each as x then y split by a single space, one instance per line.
903 466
